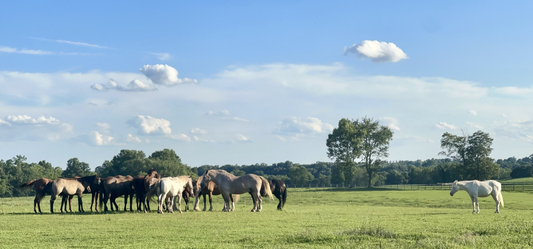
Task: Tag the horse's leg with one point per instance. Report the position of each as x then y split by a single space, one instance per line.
197 203
96 201
52 199
495 197
63 202
473 204
477 204
179 203
125 202
210 201
70 202
80 202
259 202
232 202
160 200
35 204
226 202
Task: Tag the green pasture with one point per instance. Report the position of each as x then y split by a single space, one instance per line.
312 218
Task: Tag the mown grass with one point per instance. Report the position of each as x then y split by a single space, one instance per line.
313 218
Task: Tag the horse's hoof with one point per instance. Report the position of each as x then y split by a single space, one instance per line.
252 210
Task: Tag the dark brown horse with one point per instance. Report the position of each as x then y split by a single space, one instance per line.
143 186
114 186
41 187
279 189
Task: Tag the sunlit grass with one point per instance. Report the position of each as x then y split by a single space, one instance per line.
313 218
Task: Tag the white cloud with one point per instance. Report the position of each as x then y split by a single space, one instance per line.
104 126
392 123
219 113
514 91
473 112
164 75
24 127
149 125
377 51
27 120
479 127
24 51
237 119
180 137
2 122
134 86
162 56
198 131
71 42
203 140
242 138
445 126
133 139
94 138
522 130
300 126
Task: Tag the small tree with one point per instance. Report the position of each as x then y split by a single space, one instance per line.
76 168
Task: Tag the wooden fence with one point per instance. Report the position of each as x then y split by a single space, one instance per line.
440 186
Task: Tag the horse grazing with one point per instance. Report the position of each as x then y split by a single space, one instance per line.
41 187
279 190
66 187
209 189
230 184
477 189
114 186
168 188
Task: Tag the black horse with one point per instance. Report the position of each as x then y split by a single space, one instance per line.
279 189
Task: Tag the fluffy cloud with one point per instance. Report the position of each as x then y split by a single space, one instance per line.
149 125
134 86
445 126
301 126
203 140
179 137
392 123
164 75
25 127
133 139
104 126
377 51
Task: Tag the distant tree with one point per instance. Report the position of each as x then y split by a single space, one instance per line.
299 175
364 139
473 152
524 170
76 168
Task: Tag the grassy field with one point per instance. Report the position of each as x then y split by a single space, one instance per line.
313 218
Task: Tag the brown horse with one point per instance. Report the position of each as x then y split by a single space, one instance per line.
209 189
94 188
114 186
41 187
278 189
143 186
68 186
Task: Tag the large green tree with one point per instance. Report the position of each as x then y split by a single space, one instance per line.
76 168
363 139
473 152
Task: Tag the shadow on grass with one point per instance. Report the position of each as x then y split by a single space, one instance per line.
76 213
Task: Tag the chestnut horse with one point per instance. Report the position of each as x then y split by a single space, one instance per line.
114 186
230 184
41 187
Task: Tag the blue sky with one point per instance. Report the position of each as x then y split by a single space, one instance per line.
272 79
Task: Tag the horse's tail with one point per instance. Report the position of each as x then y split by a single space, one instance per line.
500 197
236 198
28 184
266 185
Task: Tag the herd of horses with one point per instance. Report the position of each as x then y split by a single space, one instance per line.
166 189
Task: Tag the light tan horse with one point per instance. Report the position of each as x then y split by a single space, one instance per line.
209 189
67 186
168 188
230 184
42 187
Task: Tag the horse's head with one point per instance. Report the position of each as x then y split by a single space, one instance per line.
455 188
206 178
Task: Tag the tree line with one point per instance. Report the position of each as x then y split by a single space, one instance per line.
359 148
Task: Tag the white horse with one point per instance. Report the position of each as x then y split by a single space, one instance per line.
477 189
171 187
